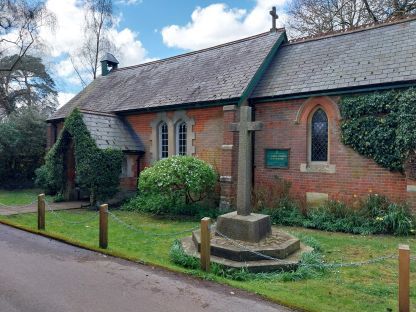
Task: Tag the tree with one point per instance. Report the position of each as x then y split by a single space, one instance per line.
312 17
22 147
98 21
20 23
27 85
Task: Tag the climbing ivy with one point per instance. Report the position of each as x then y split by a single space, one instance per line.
381 126
97 170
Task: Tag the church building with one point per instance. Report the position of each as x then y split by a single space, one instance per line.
189 105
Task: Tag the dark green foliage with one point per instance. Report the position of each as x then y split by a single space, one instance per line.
381 126
177 255
22 147
97 170
375 215
159 204
28 85
178 185
179 176
286 212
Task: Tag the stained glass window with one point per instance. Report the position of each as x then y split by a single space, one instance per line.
163 140
319 136
181 131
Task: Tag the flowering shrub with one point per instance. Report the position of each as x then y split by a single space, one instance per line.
185 176
174 185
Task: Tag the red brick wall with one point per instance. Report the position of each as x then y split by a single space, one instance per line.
141 125
355 175
208 131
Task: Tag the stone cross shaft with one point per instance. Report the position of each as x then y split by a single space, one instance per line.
244 184
274 18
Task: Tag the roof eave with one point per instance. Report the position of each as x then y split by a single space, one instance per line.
338 91
203 104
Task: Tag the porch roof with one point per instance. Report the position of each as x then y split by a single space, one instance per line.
111 131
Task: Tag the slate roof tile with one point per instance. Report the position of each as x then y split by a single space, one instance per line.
110 131
221 72
378 55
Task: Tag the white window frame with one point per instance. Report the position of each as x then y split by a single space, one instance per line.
160 137
178 133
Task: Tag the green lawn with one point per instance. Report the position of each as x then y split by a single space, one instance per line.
18 197
365 288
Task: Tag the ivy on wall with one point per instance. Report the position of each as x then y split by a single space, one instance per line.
382 126
97 170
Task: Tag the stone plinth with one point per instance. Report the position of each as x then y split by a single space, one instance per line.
285 248
277 244
251 228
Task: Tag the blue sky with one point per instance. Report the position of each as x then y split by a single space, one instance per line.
148 16
154 29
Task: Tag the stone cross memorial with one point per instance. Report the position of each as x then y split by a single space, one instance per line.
242 224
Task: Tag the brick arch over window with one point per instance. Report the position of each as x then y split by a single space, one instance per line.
304 117
310 105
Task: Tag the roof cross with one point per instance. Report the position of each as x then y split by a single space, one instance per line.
274 18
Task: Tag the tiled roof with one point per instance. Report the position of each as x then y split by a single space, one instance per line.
378 55
214 74
110 131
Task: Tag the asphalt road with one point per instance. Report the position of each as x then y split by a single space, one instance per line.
42 275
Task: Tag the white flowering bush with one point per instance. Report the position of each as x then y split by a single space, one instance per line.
174 185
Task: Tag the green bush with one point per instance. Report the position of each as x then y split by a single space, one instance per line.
375 215
381 126
179 176
97 170
178 185
22 147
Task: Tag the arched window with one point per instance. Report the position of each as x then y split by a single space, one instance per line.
319 136
181 133
163 140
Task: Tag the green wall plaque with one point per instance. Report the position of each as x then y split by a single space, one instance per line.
276 158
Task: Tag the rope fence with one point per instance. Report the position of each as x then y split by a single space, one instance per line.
206 230
19 206
62 219
142 231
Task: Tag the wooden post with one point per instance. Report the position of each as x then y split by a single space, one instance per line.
41 211
104 226
404 278
205 244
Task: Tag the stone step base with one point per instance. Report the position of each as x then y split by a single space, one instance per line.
277 244
288 264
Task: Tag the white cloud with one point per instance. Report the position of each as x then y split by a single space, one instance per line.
64 97
218 23
68 31
131 50
64 68
67 38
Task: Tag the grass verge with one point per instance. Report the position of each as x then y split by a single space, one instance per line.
364 288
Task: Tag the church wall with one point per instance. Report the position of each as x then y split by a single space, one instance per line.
348 176
207 130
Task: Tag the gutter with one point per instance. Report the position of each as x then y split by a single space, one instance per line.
341 91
